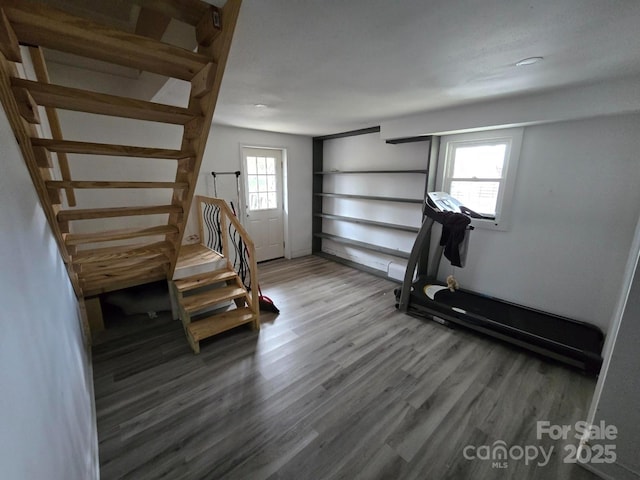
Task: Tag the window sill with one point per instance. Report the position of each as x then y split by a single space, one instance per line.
486 224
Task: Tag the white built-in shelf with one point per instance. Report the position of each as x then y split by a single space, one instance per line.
334 172
363 221
369 197
366 246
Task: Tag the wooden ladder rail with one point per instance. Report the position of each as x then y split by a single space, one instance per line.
42 75
23 131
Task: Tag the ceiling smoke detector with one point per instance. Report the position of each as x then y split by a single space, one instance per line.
529 61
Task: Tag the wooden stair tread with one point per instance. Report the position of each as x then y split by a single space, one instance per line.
112 235
123 267
219 323
75 99
89 148
203 300
91 213
122 251
201 280
36 24
123 280
196 254
125 272
112 184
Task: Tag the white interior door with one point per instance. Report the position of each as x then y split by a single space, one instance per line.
263 187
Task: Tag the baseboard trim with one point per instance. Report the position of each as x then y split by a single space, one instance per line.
357 266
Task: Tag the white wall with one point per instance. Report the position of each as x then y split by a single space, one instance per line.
575 102
370 152
573 216
47 415
618 390
104 129
141 85
223 154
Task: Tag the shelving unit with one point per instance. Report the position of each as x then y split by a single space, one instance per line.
366 246
371 197
363 221
338 172
319 194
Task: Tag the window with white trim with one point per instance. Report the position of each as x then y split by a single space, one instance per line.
261 183
479 171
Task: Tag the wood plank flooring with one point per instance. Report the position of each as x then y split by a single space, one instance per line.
338 386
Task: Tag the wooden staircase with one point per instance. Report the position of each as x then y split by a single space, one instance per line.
104 259
203 299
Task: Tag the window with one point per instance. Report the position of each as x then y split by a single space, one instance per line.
479 171
475 175
261 183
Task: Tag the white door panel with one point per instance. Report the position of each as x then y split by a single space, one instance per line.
264 212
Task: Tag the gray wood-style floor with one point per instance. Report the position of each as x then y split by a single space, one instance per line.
338 386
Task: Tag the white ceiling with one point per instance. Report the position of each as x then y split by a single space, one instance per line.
323 67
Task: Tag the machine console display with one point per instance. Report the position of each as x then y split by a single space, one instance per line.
444 202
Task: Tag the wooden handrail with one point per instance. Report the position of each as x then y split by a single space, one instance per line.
224 206
227 215
42 75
